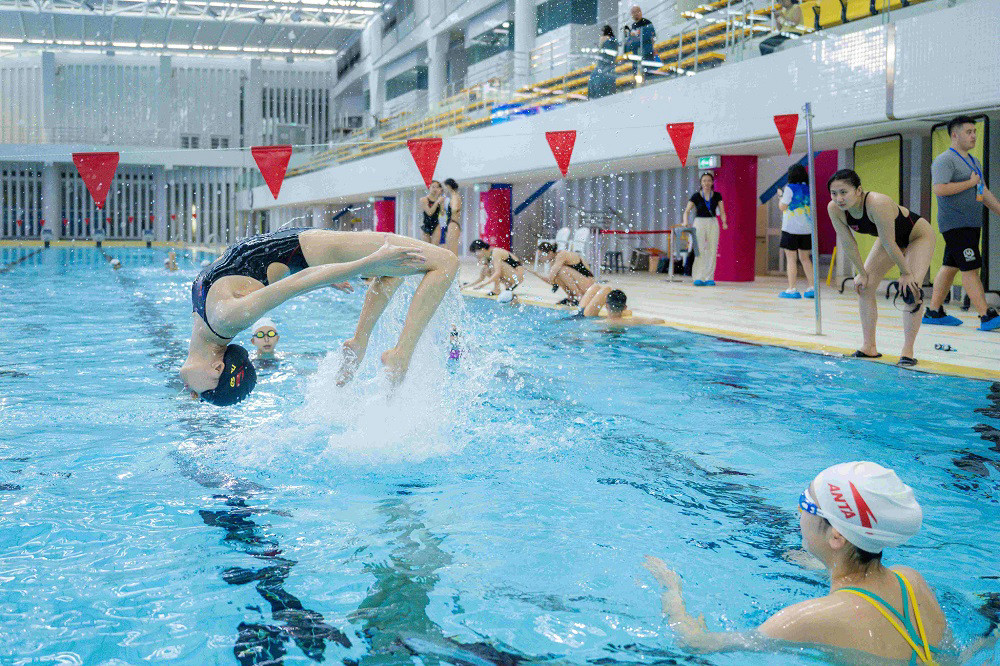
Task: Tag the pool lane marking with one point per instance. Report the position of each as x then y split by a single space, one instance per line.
928 367
14 264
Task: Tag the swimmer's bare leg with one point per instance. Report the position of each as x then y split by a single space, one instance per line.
426 299
377 298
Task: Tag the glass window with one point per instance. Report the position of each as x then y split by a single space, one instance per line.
408 81
557 13
393 14
220 142
189 141
491 42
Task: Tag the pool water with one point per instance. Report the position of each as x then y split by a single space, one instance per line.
493 509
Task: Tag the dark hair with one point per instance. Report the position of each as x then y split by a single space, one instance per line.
849 176
958 121
858 557
797 175
478 244
709 174
616 300
546 247
450 182
435 181
607 31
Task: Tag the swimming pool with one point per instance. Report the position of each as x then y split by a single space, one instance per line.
492 510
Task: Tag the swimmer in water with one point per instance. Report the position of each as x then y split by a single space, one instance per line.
116 264
170 263
848 516
250 279
906 240
613 301
264 336
567 270
501 269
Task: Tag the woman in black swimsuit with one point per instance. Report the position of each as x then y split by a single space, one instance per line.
905 239
453 215
501 269
432 205
250 279
567 270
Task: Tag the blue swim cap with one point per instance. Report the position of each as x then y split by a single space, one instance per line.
237 380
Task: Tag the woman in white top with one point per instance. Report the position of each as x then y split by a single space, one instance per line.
796 230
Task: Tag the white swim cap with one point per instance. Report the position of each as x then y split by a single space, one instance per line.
116 262
505 296
868 504
264 321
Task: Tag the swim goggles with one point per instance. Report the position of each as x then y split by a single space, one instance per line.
807 505
265 334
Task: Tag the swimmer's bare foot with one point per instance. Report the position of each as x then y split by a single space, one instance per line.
353 354
396 365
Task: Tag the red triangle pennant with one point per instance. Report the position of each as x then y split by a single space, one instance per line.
97 171
561 144
787 124
680 134
273 163
425 154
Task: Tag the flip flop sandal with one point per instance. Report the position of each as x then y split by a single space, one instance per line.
861 354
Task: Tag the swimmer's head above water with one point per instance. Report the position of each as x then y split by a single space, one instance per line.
264 336
855 510
221 381
616 302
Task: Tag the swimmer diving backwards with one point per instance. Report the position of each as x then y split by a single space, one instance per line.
261 272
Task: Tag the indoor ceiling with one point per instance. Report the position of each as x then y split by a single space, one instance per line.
261 28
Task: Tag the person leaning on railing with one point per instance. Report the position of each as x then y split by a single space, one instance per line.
602 79
787 17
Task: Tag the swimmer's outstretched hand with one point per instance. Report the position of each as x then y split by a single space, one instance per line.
663 574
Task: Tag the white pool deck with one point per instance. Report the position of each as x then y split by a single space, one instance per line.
753 312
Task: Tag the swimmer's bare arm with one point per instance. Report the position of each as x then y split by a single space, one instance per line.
692 631
238 313
557 265
494 276
816 621
883 213
850 244
483 276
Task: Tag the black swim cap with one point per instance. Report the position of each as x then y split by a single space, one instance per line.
616 300
237 380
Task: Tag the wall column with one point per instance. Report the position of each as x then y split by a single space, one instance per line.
49 119
253 106
524 40
160 203
375 92
164 104
51 199
437 52
736 181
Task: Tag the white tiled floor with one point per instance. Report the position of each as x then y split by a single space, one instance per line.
753 312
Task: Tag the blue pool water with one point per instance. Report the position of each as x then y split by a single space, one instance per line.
490 510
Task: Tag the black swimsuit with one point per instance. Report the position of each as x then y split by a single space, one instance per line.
904 224
431 221
581 269
250 258
512 262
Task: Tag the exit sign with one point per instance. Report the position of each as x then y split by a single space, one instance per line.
709 161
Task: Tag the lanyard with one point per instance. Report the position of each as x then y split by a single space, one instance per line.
972 166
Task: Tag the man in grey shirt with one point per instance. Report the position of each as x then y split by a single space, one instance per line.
961 193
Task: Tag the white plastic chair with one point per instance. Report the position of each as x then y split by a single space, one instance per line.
561 242
581 241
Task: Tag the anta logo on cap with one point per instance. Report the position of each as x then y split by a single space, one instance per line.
842 503
867 516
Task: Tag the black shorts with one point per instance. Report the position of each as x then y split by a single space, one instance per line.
796 241
961 248
428 228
